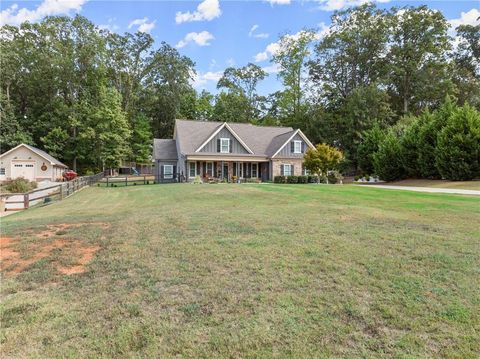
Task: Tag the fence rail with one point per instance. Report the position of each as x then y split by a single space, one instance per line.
127 180
58 191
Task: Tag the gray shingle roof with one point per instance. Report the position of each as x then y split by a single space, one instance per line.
164 149
46 156
262 140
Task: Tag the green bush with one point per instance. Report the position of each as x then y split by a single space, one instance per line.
387 160
371 140
279 179
20 185
302 179
312 179
457 152
292 179
334 177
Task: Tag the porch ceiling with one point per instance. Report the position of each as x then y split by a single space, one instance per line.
226 158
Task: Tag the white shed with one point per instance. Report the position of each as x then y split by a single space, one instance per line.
30 163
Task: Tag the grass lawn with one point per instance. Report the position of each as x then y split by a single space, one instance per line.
243 271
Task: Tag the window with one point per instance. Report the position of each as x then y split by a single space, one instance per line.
297 146
287 170
192 169
18 165
168 171
210 169
28 165
2 171
224 145
254 170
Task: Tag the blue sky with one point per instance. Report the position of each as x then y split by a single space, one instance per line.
217 34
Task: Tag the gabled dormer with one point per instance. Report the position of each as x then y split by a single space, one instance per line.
295 146
224 140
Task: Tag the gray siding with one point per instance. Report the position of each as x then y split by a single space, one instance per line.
286 151
159 171
211 147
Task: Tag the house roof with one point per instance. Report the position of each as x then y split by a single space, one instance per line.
263 141
164 149
39 152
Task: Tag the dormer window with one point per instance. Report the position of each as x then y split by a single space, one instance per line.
225 145
297 147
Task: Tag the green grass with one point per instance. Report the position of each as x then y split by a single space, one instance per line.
250 271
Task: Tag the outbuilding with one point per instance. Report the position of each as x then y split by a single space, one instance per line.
30 163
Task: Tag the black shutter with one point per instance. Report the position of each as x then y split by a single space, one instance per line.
303 147
230 146
161 171
218 145
282 172
292 168
174 172
292 146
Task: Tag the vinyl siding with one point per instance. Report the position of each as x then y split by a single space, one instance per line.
286 152
211 147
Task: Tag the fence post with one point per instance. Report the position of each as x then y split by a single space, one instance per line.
126 182
25 201
107 181
61 191
144 179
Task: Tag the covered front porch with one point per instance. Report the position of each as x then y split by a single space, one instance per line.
228 171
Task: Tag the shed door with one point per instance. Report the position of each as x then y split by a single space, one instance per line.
25 169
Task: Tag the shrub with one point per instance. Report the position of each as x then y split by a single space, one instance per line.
322 179
458 145
302 179
20 185
292 179
279 179
312 179
334 177
322 158
387 160
371 140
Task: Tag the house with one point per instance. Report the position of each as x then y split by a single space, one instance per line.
228 151
30 163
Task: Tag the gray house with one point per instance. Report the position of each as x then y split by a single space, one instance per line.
228 151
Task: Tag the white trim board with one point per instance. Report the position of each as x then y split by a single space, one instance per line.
299 132
225 125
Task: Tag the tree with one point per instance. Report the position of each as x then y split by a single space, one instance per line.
11 132
55 142
322 158
387 160
417 54
457 152
291 58
204 109
351 55
142 139
243 82
229 107
369 145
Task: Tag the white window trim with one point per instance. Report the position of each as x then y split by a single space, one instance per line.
170 176
190 167
210 173
295 143
221 145
256 170
289 169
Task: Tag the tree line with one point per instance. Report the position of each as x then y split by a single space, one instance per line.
93 98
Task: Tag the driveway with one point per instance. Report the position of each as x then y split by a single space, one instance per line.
426 189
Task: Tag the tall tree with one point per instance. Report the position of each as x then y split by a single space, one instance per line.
243 82
417 54
291 57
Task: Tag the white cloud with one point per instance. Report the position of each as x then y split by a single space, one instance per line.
231 62
331 5
466 18
200 38
279 2
253 33
206 11
110 26
201 79
274 47
15 16
272 69
143 25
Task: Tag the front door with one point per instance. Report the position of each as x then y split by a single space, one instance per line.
225 170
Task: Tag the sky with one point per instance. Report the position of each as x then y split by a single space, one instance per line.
218 34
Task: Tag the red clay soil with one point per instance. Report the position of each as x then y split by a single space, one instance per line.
12 264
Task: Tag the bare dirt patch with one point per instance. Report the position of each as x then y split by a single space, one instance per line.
12 262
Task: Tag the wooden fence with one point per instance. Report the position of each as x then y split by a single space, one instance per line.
127 180
58 191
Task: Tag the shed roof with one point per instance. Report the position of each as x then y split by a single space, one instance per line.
164 149
39 152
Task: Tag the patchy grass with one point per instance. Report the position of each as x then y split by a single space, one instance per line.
244 271
473 185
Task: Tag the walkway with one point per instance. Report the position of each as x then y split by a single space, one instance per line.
426 189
